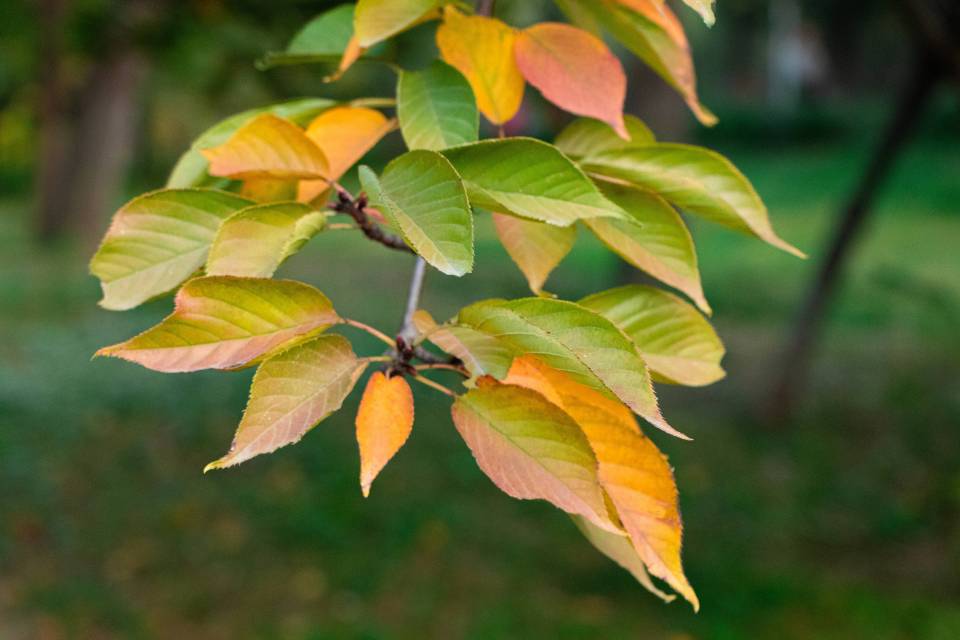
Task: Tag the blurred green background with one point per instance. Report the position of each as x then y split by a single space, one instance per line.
841 520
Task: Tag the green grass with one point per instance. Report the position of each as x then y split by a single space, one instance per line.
841 524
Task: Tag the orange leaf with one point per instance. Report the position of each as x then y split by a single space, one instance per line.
350 55
631 469
574 70
482 49
384 422
267 147
344 134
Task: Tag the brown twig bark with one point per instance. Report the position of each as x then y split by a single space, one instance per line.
356 209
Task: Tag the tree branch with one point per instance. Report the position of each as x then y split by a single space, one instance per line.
407 330
355 208
486 7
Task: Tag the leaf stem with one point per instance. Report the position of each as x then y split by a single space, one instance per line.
435 385
442 365
376 333
407 330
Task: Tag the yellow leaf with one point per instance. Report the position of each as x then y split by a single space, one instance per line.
482 49
632 471
384 421
350 55
268 189
536 247
267 147
377 20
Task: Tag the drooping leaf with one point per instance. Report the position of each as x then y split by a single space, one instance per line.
585 137
482 49
344 134
576 341
384 421
481 354
421 194
704 8
653 33
157 241
377 20
654 239
676 342
536 247
267 147
531 449
636 476
323 39
265 190
191 168
697 180
530 179
222 322
292 392
436 108
254 241
618 548
574 70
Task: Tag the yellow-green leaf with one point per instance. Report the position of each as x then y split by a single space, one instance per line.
267 147
585 137
676 342
377 20
480 353
436 108
530 179
384 422
482 49
697 180
536 247
635 475
654 239
292 392
222 322
157 241
254 241
421 194
531 449
579 342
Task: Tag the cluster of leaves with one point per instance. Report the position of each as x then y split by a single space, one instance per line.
551 388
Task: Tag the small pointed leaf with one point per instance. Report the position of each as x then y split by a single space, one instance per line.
157 241
254 241
436 108
292 392
384 422
222 322
676 342
421 194
267 147
536 247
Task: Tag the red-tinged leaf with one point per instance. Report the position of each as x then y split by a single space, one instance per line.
384 422
222 322
531 449
575 70
292 392
267 147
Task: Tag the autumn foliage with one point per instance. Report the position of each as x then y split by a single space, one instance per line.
551 389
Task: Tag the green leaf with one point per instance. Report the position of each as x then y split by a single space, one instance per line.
254 241
222 322
618 548
576 341
436 108
421 194
323 39
531 449
697 180
191 168
377 20
480 353
676 342
157 241
655 239
530 179
586 137
291 393
536 247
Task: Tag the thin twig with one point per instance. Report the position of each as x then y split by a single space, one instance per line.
355 208
434 385
442 365
376 333
486 7
407 330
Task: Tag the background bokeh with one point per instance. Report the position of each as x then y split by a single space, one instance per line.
836 517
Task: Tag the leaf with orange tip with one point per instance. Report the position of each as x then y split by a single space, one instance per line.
574 70
351 54
267 147
292 392
531 449
384 421
536 247
482 49
636 476
223 322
